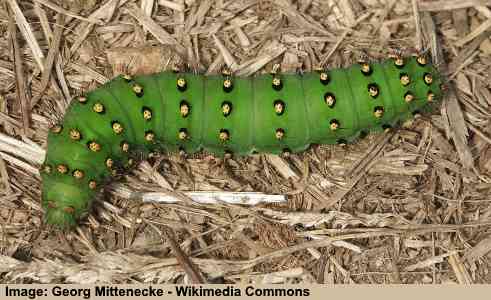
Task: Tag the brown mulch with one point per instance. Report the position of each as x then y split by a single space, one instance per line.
404 207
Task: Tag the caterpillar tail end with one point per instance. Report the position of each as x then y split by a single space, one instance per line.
59 219
64 203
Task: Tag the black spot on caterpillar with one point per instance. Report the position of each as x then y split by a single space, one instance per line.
223 115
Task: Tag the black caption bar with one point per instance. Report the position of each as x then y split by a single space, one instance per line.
147 291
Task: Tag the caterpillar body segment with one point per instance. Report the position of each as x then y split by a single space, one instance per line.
227 118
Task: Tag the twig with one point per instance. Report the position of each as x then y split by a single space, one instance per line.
21 89
26 31
61 10
52 54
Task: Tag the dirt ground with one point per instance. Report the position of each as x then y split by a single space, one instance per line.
412 206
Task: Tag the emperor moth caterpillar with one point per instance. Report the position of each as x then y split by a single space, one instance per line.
222 114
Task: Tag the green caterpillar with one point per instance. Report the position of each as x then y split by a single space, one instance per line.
225 115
